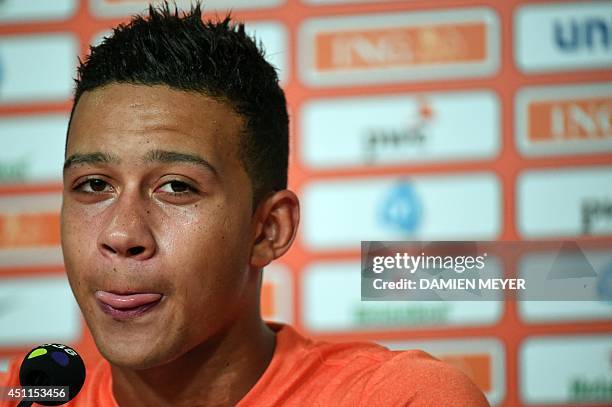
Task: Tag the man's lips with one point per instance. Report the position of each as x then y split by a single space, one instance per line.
127 306
127 301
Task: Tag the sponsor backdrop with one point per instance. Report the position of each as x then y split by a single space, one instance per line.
411 120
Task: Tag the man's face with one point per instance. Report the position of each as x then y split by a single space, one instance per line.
156 207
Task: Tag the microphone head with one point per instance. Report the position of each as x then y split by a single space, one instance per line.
53 365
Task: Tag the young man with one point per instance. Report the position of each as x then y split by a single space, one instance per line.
174 200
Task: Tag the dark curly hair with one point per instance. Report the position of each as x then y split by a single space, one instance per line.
215 58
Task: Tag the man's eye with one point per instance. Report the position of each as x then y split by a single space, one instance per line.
176 187
94 185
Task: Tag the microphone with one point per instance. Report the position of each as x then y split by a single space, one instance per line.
55 365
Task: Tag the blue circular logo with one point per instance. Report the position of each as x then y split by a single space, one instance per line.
401 209
604 284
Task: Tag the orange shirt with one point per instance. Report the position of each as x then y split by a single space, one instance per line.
313 373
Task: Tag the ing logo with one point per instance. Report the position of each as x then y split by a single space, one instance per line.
400 46
570 119
579 119
408 46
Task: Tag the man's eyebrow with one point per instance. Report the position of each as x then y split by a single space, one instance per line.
90 158
169 157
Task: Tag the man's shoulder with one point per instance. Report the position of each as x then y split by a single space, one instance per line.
387 377
424 380
363 373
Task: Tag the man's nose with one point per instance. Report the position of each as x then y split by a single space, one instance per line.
127 233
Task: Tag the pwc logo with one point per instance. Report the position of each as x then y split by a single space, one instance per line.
565 119
399 47
382 141
399 129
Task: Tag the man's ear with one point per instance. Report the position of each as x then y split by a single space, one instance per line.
275 226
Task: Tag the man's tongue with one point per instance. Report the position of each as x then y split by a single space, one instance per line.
127 301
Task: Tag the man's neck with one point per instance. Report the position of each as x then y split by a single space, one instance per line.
218 372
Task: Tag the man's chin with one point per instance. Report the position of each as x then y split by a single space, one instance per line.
132 358
130 353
